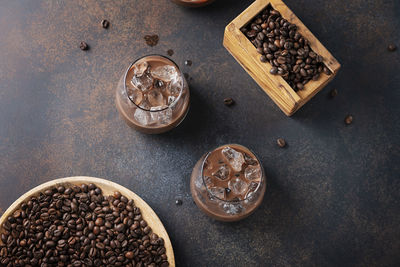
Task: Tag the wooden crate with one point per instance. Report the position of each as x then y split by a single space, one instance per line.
275 86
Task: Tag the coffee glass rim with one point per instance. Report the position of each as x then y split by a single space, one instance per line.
179 72
227 145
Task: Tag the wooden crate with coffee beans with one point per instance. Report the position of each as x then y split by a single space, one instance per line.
280 53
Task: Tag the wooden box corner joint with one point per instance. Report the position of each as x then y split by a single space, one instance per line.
275 86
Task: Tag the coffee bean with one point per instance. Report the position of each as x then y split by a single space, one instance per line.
348 120
273 70
392 47
229 101
327 71
84 46
99 221
299 86
263 58
333 93
105 23
151 40
251 34
188 63
178 202
281 142
170 52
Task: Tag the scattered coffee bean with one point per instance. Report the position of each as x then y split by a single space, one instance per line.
84 46
289 53
78 226
227 190
151 40
105 23
281 142
229 101
188 63
333 93
170 52
178 202
392 47
348 120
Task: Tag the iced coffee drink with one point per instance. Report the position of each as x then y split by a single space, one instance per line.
193 3
228 183
152 95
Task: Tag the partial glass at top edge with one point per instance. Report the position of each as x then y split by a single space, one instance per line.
232 201
167 106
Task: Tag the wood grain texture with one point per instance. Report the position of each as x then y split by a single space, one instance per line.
108 188
274 85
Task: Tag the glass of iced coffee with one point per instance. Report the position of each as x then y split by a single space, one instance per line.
193 3
228 183
152 95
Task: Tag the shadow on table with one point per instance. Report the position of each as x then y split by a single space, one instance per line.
277 212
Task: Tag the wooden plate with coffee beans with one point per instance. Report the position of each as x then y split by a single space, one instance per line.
83 221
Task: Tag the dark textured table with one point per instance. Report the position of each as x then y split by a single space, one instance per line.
333 193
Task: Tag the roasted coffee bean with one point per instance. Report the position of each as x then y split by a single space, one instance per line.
281 142
251 33
327 71
273 70
263 58
188 63
178 202
151 40
229 101
84 46
348 120
62 226
105 23
392 47
333 93
170 52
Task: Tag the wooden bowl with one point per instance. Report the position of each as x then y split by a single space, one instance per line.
275 86
108 188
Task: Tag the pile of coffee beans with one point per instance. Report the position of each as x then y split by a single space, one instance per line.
78 226
288 52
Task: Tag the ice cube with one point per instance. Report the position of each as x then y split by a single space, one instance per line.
208 181
218 192
144 82
161 114
253 186
232 207
250 196
142 116
160 84
235 158
252 172
249 160
165 73
175 86
156 98
135 95
237 186
171 100
222 173
140 68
